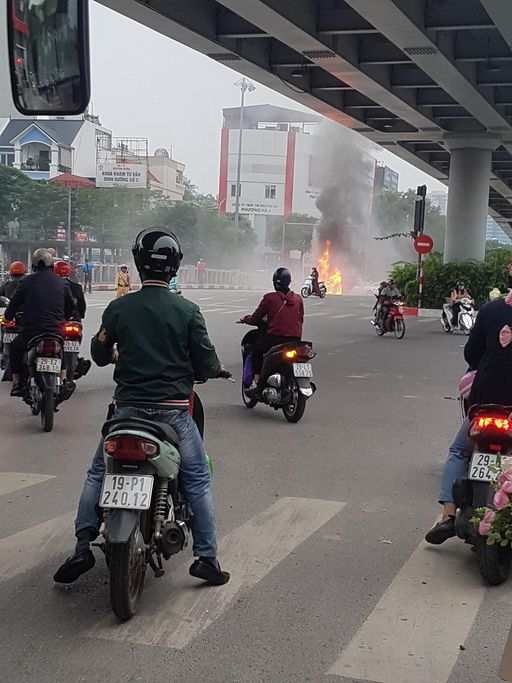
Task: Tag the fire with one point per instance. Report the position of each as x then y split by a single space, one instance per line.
328 273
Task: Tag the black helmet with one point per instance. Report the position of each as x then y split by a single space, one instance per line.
460 286
157 254
282 279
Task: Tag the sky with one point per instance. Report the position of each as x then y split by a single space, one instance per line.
147 85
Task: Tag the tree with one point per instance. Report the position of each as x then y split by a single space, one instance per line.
298 237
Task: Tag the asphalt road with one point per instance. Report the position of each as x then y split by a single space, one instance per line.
321 524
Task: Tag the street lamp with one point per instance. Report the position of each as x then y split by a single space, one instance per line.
244 85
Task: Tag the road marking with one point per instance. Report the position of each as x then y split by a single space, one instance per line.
427 320
414 632
343 315
205 298
211 310
27 549
367 317
249 552
236 310
312 315
14 481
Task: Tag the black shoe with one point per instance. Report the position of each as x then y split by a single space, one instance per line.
253 391
442 531
82 367
209 570
67 390
75 566
17 390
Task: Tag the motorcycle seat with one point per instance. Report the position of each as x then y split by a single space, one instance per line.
41 337
160 430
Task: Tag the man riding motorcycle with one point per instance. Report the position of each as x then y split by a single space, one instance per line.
162 344
489 350
17 271
63 269
378 304
458 292
284 313
47 303
388 294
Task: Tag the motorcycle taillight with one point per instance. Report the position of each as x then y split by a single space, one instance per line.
490 426
72 330
130 447
9 324
48 348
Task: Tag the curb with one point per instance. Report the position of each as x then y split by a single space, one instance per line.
111 288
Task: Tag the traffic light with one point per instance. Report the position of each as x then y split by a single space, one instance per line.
419 209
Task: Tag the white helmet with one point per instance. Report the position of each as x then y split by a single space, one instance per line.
41 258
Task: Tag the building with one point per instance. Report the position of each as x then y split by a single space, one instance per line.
495 234
439 198
386 178
166 175
45 148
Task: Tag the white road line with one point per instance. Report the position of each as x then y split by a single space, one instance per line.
212 310
343 315
14 481
250 553
25 550
414 632
312 315
367 317
236 310
204 298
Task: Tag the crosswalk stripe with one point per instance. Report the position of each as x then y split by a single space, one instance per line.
343 315
25 550
236 310
14 481
211 310
312 315
250 553
414 632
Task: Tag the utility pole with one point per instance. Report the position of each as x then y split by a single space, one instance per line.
69 221
244 85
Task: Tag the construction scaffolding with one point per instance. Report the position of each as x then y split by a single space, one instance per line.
121 162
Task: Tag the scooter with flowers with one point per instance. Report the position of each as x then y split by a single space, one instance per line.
484 496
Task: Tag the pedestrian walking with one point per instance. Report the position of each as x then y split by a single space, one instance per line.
201 271
123 283
87 269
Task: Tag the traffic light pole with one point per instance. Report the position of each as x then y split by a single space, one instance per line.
419 223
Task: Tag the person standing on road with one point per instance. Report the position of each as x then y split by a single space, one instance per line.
156 362
123 282
201 271
87 269
489 352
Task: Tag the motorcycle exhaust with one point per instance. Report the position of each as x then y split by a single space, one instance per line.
173 538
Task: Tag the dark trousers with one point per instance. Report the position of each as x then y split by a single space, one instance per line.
88 283
455 312
17 350
264 344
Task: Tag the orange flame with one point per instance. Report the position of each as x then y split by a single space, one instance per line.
330 274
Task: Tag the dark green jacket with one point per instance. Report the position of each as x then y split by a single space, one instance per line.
162 344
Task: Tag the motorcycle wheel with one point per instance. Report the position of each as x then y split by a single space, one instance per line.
399 328
304 292
446 326
294 409
493 561
47 409
323 292
379 329
248 402
127 572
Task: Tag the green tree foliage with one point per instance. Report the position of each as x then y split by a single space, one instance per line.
439 278
298 237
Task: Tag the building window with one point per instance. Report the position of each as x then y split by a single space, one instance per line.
270 191
233 190
7 159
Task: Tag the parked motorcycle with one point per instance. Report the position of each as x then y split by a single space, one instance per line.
285 376
491 432
465 318
307 289
394 321
145 518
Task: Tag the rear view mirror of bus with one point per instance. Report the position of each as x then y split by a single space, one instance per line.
49 56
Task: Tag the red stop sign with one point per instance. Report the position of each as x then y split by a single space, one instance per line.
423 244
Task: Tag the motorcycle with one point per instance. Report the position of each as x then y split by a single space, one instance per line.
394 321
8 332
72 335
307 289
465 318
286 376
145 518
491 432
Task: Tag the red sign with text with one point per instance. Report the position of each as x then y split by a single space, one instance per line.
423 244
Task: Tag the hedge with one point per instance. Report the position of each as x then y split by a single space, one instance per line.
439 278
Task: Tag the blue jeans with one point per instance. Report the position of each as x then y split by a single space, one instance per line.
195 479
457 463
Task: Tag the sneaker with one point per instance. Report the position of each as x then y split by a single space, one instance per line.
442 531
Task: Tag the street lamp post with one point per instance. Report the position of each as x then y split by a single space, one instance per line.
244 85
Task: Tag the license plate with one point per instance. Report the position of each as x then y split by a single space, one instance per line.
9 337
302 370
126 491
73 346
48 364
479 468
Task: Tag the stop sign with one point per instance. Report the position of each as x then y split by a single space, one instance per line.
423 244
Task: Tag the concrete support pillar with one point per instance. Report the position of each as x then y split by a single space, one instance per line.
468 197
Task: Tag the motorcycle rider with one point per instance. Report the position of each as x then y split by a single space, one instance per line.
378 304
458 292
63 269
284 312
489 351
388 294
315 286
156 361
17 271
47 303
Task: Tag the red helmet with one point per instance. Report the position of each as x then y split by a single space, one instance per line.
17 268
62 269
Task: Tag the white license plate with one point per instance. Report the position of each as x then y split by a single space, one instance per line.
302 370
126 491
48 364
9 337
479 468
73 346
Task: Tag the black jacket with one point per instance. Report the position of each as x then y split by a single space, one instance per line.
79 297
8 287
484 353
46 301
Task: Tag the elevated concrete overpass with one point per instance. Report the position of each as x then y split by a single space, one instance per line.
430 80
